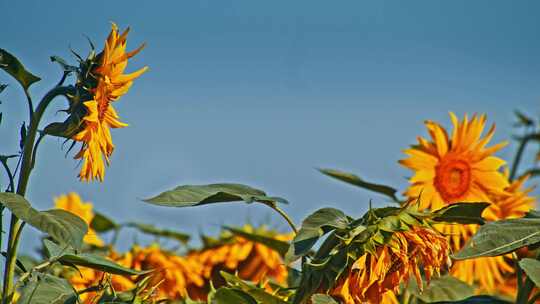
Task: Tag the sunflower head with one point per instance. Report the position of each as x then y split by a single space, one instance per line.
73 203
456 167
251 261
100 81
377 275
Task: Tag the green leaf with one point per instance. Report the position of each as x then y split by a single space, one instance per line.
22 133
313 227
532 269
225 295
66 255
257 293
195 195
65 66
152 230
523 120
322 299
269 241
501 237
462 213
101 223
445 288
64 227
44 288
14 67
357 181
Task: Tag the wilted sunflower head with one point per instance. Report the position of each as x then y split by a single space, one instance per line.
173 275
367 260
100 81
250 260
456 167
73 203
375 275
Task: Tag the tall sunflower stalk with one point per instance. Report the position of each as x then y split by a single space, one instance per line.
100 81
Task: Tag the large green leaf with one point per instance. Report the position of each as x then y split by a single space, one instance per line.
322 299
313 227
357 181
225 295
532 269
44 288
195 195
62 226
445 288
152 230
501 237
68 256
269 241
462 213
14 67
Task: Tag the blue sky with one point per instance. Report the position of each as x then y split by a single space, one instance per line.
263 92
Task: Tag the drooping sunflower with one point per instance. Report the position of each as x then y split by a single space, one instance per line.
376 278
172 278
73 203
108 83
249 260
173 275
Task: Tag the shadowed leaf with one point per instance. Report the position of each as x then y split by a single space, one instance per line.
152 230
532 269
445 288
44 288
462 213
14 67
195 195
64 227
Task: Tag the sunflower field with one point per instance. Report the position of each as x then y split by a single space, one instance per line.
465 230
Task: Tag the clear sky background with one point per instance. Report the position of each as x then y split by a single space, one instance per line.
263 92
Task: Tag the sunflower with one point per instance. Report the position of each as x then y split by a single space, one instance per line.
73 203
490 272
249 260
456 168
173 275
460 168
100 116
376 277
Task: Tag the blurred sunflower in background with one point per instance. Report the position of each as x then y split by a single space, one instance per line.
73 203
376 277
104 82
460 168
249 260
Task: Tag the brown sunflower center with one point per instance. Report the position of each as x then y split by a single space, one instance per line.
452 178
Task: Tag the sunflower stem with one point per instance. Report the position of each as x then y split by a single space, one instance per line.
283 214
519 154
16 225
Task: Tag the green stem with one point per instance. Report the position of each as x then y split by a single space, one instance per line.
525 292
10 175
24 176
274 206
519 155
